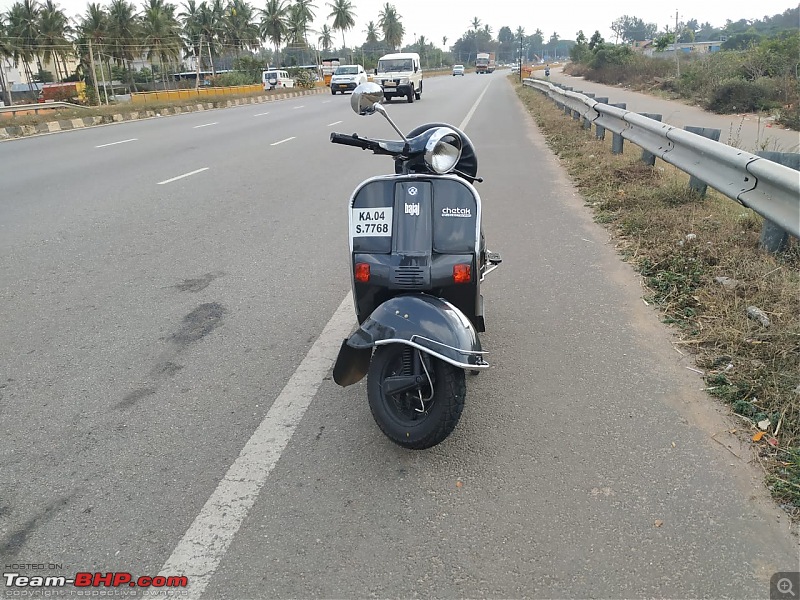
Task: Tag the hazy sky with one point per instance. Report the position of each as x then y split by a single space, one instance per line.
437 18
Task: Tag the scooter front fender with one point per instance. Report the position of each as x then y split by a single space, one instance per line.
425 322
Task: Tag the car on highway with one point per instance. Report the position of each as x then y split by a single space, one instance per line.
347 77
458 70
276 78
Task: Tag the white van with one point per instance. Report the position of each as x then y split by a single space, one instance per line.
400 74
276 78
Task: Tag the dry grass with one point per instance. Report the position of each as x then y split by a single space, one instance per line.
681 243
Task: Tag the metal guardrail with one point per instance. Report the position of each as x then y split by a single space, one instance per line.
35 108
770 189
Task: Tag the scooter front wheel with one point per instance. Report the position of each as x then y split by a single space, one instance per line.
420 417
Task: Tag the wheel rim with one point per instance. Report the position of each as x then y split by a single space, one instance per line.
403 407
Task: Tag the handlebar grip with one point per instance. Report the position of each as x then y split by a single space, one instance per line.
350 140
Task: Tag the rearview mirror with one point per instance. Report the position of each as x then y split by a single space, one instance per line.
365 97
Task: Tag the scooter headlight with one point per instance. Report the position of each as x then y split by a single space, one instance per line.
443 150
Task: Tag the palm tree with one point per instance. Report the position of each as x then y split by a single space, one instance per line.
325 38
391 26
6 52
94 28
475 24
241 32
343 16
53 30
209 23
123 36
160 37
192 30
23 30
273 26
305 14
422 43
372 33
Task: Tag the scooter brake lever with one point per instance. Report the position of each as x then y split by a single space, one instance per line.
474 179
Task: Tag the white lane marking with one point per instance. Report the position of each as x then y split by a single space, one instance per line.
260 114
206 125
474 106
286 140
208 538
182 176
326 101
296 107
115 143
334 123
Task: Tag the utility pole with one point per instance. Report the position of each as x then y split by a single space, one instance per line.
94 73
198 59
677 58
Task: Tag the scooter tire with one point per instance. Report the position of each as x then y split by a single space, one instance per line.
441 418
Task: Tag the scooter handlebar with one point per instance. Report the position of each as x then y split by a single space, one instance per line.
354 140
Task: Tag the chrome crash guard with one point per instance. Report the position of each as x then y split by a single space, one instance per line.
425 322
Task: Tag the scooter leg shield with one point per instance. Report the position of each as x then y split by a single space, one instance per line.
351 364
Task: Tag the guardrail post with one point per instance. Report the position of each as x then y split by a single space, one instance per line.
600 132
649 158
617 142
695 183
587 124
773 237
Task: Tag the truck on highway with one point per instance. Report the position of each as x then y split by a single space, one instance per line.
484 62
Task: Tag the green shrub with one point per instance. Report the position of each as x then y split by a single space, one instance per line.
739 95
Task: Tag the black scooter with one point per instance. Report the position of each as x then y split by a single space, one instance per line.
417 259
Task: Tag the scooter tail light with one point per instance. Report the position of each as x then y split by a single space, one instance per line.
362 272
462 273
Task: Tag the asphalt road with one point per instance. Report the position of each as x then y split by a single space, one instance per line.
173 293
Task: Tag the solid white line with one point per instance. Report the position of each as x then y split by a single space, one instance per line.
286 140
334 123
296 107
260 114
206 125
115 143
474 106
208 538
182 176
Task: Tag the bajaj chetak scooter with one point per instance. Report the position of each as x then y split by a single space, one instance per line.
417 259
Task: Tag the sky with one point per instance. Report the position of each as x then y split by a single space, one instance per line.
438 18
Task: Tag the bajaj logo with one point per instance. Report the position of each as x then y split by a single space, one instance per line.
412 209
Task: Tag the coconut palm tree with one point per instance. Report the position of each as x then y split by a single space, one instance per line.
160 36
6 53
343 16
53 30
23 30
93 27
241 32
372 33
391 26
325 38
305 14
192 29
273 26
123 41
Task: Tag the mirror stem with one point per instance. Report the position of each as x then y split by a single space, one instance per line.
380 109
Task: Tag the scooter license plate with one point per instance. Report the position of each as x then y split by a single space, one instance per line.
371 222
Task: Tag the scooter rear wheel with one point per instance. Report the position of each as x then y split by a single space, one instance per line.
396 414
